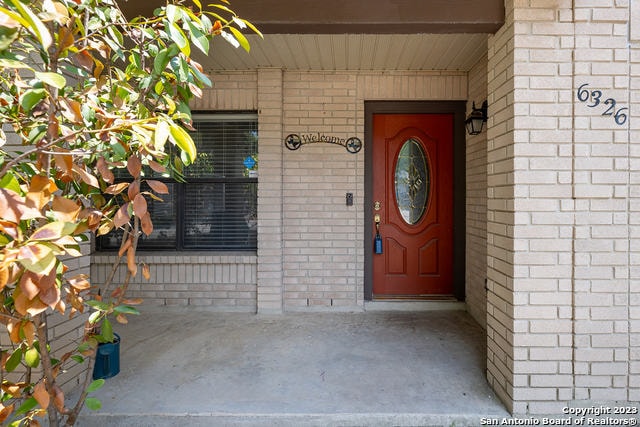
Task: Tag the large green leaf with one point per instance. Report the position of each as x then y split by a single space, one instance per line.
125 309
10 182
93 403
160 61
13 63
52 79
179 38
14 360
198 38
182 139
107 330
99 305
31 98
28 405
241 38
95 385
36 26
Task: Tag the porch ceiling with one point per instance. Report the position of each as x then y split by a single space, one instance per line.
355 34
352 52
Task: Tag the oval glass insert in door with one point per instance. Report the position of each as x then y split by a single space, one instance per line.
412 181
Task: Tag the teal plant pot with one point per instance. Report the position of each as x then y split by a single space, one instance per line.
107 359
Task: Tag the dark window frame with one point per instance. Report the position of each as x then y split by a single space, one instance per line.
178 190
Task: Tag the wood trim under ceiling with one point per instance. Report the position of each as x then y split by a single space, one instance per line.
359 16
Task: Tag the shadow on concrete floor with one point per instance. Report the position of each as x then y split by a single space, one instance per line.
199 368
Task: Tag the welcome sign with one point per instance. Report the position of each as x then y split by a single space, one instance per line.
294 141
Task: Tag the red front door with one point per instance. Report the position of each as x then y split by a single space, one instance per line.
413 203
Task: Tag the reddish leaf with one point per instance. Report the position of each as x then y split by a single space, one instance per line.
72 111
116 188
79 282
146 272
61 307
133 301
126 245
64 162
53 231
97 71
140 205
41 394
42 183
14 209
121 318
13 327
26 306
134 166
65 38
9 228
50 296
65 209
157 167
122 216
146 224
86 176
158 186
37 257
4 276
5 411
131 262
134 189
217 28
85 60
47 281
29 284
29 332
104 170
58 397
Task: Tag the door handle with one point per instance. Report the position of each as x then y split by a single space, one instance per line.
377 241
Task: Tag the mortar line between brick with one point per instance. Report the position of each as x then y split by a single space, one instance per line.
628 204
573 198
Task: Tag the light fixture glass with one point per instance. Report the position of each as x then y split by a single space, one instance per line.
477 118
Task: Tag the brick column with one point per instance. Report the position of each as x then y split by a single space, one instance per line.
270 191
562 303
500 214
634 203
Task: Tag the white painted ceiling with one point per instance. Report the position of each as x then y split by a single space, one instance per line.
353 52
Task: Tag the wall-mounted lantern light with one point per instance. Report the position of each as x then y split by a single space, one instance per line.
476 119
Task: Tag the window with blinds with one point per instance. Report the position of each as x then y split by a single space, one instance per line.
216 207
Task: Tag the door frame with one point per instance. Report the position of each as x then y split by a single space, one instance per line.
458 109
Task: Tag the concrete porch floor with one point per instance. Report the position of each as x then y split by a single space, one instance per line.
374 368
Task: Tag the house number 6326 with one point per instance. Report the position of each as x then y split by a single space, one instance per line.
595 97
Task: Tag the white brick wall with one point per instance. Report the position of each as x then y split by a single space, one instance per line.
220 282
476 205
322 237
560 213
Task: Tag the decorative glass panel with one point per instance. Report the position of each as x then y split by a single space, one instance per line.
412 181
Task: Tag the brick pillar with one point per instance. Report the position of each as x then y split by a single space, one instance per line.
500 215
270 191
562 303
634 204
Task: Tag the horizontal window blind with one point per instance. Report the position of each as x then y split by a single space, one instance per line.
216 207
